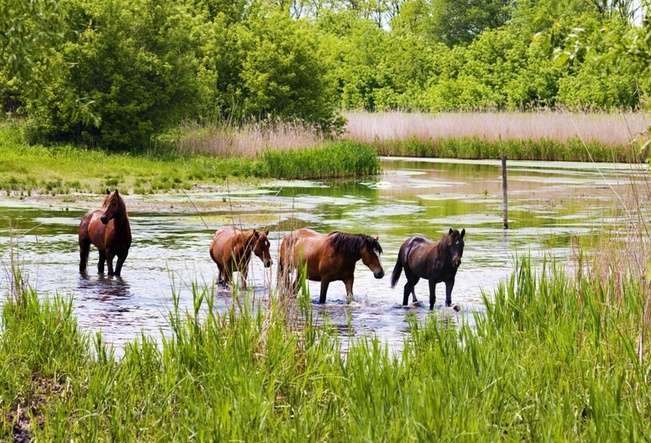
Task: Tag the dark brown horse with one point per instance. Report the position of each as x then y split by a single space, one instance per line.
328 257
435 262
109 230
231 250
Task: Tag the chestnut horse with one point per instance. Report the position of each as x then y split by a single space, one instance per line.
109 230
231 250
328 257
435 262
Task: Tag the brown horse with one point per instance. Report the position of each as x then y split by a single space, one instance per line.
328 257
436 262
109 230
231 249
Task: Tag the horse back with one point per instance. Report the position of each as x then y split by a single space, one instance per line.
306 247
224 242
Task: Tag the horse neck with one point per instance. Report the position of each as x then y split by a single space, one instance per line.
121 220
247 242
442 252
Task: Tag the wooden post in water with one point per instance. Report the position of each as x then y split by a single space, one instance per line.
505 200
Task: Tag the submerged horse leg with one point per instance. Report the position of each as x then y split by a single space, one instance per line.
432 294
349 288
100 262
121 258
448 292
324 291
410 287
109 262
220 275
243 275
84 249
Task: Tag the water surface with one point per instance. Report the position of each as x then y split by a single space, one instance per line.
552 206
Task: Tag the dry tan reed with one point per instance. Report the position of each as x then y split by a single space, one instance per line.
609 129
247 140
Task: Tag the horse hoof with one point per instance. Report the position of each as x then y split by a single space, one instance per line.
456 308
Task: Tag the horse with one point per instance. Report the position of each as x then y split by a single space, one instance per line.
328 257
435 262
109 230
231 250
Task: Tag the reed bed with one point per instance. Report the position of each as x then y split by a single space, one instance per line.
607 129
247 140
556 136
553 358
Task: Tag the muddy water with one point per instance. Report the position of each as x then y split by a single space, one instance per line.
551 205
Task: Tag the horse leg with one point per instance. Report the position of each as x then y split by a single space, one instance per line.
349 288
84 249
121 258
227 275
410 287
243 274
220 275
432 294
324 291
100 262
448 292
109 262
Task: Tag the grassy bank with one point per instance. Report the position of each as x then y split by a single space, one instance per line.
541 149
553 358
62 169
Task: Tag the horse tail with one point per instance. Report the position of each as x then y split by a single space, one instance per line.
397 269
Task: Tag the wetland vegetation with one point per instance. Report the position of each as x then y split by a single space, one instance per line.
554 356
162 96
66 168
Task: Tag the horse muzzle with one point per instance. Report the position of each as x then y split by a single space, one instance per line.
268 263
379 274
456 262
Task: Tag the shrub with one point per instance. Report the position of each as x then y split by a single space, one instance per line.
125 70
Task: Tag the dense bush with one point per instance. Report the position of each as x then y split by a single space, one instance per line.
124 70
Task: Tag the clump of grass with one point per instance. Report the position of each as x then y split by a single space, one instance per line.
553 357
526 149
335 160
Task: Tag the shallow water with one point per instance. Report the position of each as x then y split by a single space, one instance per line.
550 205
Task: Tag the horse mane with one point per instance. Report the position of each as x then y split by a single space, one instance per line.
351 244
121 207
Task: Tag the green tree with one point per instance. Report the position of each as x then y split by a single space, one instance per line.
279 71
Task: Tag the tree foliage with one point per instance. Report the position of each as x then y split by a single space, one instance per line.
115 72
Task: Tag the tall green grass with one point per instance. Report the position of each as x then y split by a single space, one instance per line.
553 358
336 160
524 149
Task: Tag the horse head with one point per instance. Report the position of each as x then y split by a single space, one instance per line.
455 244
370 254
114 206
261 247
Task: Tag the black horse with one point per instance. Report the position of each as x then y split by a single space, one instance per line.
436 262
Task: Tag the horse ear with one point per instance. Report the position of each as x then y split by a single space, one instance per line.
450 231
463 232
377 237
116 191
108 192
255 232
266 232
